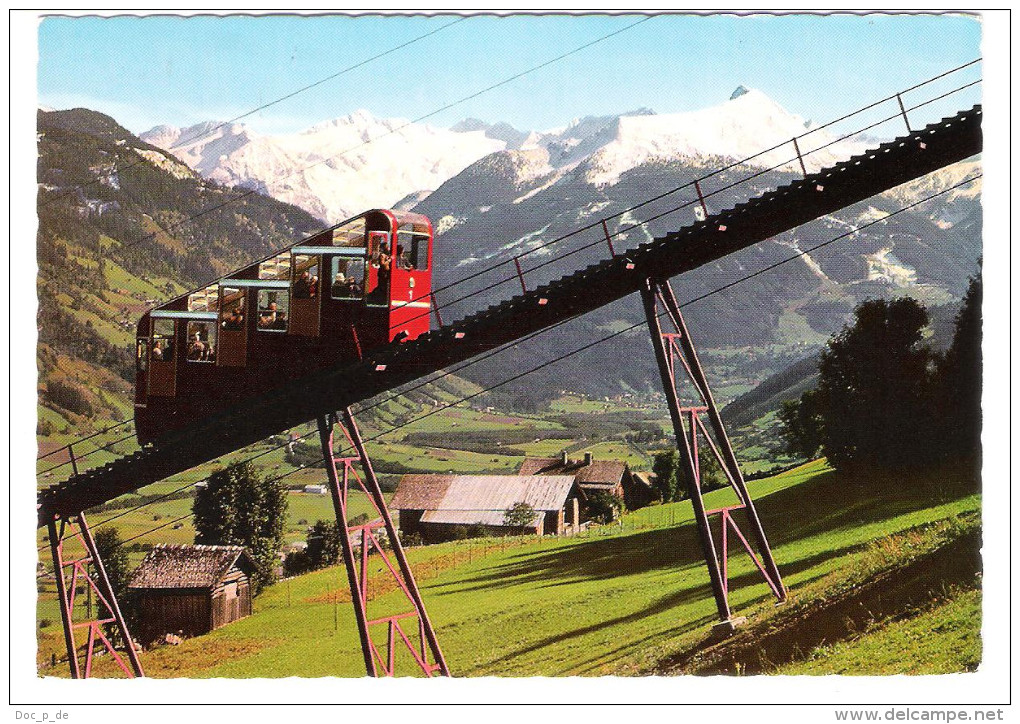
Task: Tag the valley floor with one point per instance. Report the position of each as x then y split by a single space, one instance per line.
884 578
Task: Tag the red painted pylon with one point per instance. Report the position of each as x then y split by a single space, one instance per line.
688 428
67 592
381 637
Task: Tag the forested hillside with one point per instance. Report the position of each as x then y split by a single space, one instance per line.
122 224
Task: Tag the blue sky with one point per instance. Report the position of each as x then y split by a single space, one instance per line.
158 69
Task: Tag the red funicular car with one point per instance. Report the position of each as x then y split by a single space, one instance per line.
331 297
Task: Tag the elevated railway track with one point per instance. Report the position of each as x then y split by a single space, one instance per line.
920 152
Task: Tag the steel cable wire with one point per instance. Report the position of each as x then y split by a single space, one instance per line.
262 107
660 215
392 131
526 72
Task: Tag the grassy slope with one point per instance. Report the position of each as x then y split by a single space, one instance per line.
943 640
627 600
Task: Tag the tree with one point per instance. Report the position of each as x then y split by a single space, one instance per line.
873 388
519 515
958 383
115 560
874 403
802 425
603 506
114 556
238 506
323 544
712 475
665 468
296 563
671 474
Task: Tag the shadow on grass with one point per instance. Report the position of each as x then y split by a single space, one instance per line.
699 591
823 504
661 605
895 594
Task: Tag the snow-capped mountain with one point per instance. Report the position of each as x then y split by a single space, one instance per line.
954 204
530 202
501 192
740 128
343 166
334 169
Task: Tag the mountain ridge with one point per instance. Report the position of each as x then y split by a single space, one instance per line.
341 166
514 200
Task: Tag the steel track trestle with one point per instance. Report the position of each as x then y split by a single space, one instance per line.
688 427
97 583
380 657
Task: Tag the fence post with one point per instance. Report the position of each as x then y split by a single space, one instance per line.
609 239
74 462
435 308
701 197
800 158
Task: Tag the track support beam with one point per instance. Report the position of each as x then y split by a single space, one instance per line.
98 584
379 657
688 427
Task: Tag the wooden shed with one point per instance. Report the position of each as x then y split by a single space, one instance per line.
433 505
191 589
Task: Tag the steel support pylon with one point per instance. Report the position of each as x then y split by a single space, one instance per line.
99 584
688 427
380 658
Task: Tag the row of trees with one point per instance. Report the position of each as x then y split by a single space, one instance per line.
886 399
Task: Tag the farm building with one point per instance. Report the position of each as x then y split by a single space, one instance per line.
434 505
610 476
647 480
192 589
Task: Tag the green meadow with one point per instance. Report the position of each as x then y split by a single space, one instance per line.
633 598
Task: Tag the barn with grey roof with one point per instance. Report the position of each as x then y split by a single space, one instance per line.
609 476
433 505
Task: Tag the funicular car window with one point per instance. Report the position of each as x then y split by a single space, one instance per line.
274 310
232 309
276 268
348 278
350 234
162 340
380 257
201 342
412 247
142 355
306 276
